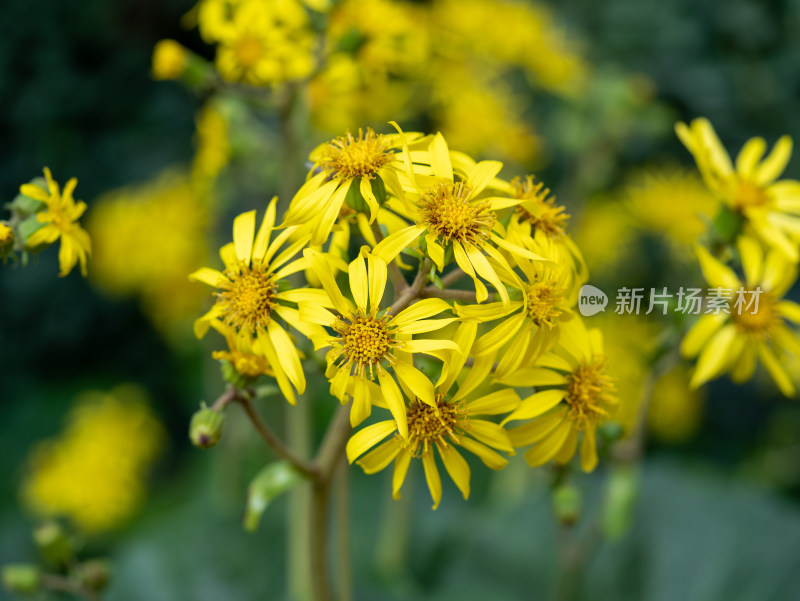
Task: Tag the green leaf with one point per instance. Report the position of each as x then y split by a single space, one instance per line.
434 277
272 481
28 226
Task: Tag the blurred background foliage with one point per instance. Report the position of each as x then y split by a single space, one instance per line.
717 516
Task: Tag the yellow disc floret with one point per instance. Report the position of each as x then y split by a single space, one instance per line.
450 215
429 425
756 319
748 195
247 297
365 341
539 209
590 394
543 300
348 157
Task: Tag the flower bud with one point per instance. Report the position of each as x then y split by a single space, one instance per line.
21 578
53 543
567 504
6 238
93 574
205 429
169 59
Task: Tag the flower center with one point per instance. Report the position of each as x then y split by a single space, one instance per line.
365 341
450 216
749 195
429 425
543 299
590 394
542 212
755 317
248 50
347 157
247 297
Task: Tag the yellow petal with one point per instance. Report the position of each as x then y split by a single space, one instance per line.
486 271
749 156
547 448
432 477
209 276
716 273
498 336
440 158
394 400
377 280
776 161
290 360
426 325
482 174
244 227
490 434
416 381
280 374
790 310
456 466
752 259
477 375
491 458
400 471
359 285
588 450
494 403
423 309
537 404
776 370
366 192
262 237
380 457
392 245
714 357
534 431
362 406
534 376
368 437
323 272
701 333
435 251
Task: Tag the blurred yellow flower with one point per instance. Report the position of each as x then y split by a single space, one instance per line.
755 324
61 222
94 471
212 146
574 395
676 410
147 238
169 59
670 202
772 208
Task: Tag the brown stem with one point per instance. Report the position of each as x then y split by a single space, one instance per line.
413 291
452 277
344 567
395 275
434 292
308 469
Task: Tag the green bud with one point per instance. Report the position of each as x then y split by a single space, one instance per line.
567 504
232 376
53 543
28 226
94 574
727 225
205 429
21 578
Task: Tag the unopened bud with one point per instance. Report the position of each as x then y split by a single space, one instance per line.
53 543
567 504
205 429
21 578
620 500
93 574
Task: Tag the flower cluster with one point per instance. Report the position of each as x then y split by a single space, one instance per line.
505 362
759 229
42 215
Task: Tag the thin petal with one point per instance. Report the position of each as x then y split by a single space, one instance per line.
368 437
244 228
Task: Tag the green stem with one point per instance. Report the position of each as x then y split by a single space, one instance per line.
345 574
298 429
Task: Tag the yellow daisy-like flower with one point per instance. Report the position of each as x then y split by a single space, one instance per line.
249 300
61 221
755 327
265 43
537 215
542 299
245 354
368 161
451 211
771 208
452 421
370 342
574 394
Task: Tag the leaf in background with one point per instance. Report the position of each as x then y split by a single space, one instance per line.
275 479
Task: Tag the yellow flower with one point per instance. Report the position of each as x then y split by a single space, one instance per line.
370 341
368 161
61 218
169 59
542 299
574 394
245 354
213 150
248 298
536 216
94 471
6 235
675 411
451 421
265 43
771 208
451 212
670 202
756 324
